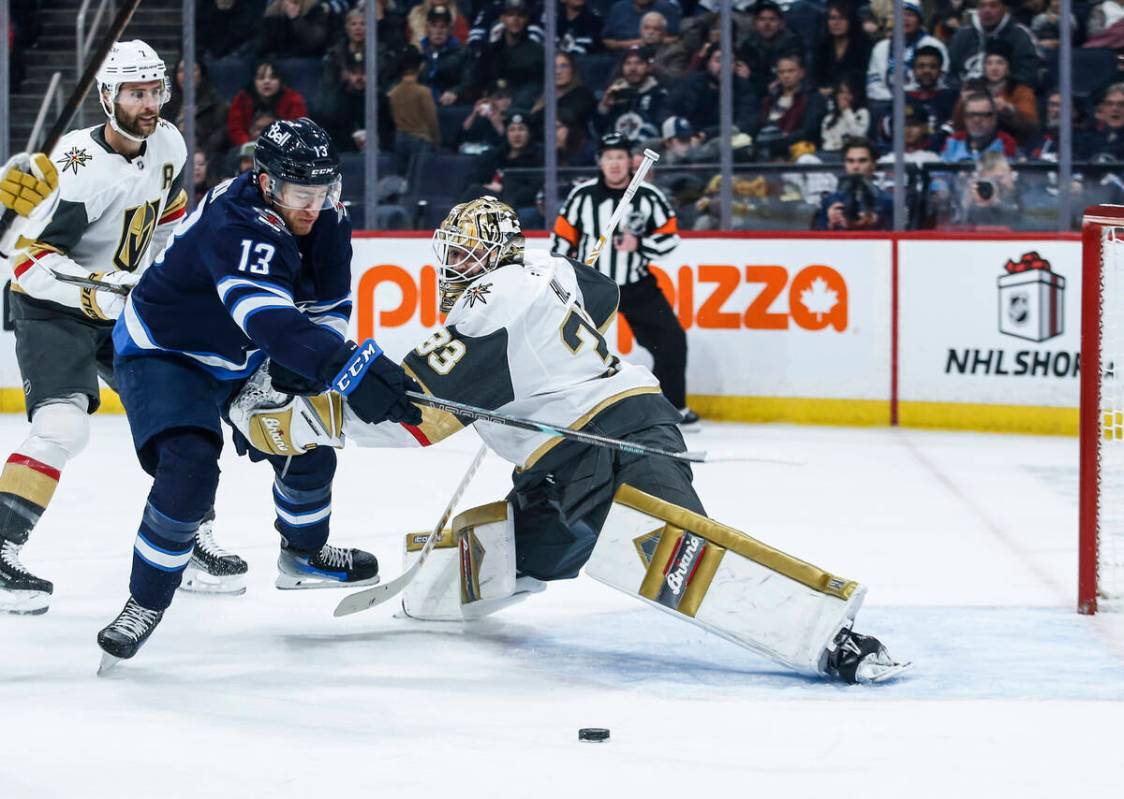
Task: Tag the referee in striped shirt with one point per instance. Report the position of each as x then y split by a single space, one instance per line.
648 230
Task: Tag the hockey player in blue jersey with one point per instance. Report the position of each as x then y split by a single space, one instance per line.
262 268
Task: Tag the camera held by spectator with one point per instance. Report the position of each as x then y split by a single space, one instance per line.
857 203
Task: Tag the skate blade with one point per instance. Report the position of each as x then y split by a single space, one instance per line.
883 673
24 603
108 662
299 582
197 581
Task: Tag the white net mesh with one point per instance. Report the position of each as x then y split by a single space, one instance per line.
1110 504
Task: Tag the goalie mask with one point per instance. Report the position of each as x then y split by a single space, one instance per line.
130 62
475 238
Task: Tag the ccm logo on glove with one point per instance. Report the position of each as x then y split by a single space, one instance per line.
357 365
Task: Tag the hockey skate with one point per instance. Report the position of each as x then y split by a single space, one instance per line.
330 567
125 635
212 569
690 422
856 658
21 592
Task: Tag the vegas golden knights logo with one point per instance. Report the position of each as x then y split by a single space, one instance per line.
136 235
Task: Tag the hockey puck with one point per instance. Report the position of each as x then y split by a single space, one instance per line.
593 734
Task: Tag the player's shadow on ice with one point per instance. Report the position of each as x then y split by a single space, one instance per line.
607 659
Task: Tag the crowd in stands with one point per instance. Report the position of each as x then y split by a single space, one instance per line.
460 88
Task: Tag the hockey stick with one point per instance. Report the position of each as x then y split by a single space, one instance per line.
90 283
484 415
650 157
377 594
116 28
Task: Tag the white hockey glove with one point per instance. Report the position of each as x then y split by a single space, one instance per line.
29 186
109 303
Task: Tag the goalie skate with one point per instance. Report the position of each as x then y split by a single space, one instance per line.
856 658
21 592
212 569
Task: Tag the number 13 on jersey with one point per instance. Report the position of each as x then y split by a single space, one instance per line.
256 257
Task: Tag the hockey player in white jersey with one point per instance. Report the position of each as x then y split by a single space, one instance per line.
524 336
121 191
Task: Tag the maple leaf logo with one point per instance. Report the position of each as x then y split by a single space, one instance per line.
818 298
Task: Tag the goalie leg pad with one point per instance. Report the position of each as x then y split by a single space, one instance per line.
471 570
723 580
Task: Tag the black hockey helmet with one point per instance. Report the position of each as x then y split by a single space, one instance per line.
614 141
298 153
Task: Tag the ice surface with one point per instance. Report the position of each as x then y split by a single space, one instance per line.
967 543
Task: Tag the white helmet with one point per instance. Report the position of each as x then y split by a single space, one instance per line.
129 62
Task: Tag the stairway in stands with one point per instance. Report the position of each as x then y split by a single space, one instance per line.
157 22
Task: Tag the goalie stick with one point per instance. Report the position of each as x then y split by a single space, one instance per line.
377 594
484 415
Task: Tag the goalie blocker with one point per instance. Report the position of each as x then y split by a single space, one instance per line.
678 561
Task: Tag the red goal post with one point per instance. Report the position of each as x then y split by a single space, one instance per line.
1100 579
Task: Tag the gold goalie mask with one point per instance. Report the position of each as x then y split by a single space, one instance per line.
475 238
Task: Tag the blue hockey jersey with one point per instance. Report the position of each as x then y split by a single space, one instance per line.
234 286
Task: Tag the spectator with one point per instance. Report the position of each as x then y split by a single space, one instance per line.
981 133
990 198
447 60
573 145
515 57
791 107
921 145
488 28
518 151
344 83
201 181
1047 146
856 204
485 126
991 20
1103 16
680 144
295 29
227 27
417 21
1015 104
571 94
1106 140
879 75
844 50
930 91
246 156
1047 28
696 97
391 24
768 40
210 110
846 119
666 55
945 19
414 114
579 28
632 104
266 94
622 24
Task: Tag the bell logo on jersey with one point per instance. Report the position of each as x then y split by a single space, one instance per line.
136 235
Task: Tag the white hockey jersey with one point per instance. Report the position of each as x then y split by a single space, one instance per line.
525 340
115 213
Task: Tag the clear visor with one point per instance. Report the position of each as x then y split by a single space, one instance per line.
461 257
137 95
297 197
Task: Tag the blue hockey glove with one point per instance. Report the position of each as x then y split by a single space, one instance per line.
374 385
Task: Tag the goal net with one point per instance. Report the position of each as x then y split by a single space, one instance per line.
1101 515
